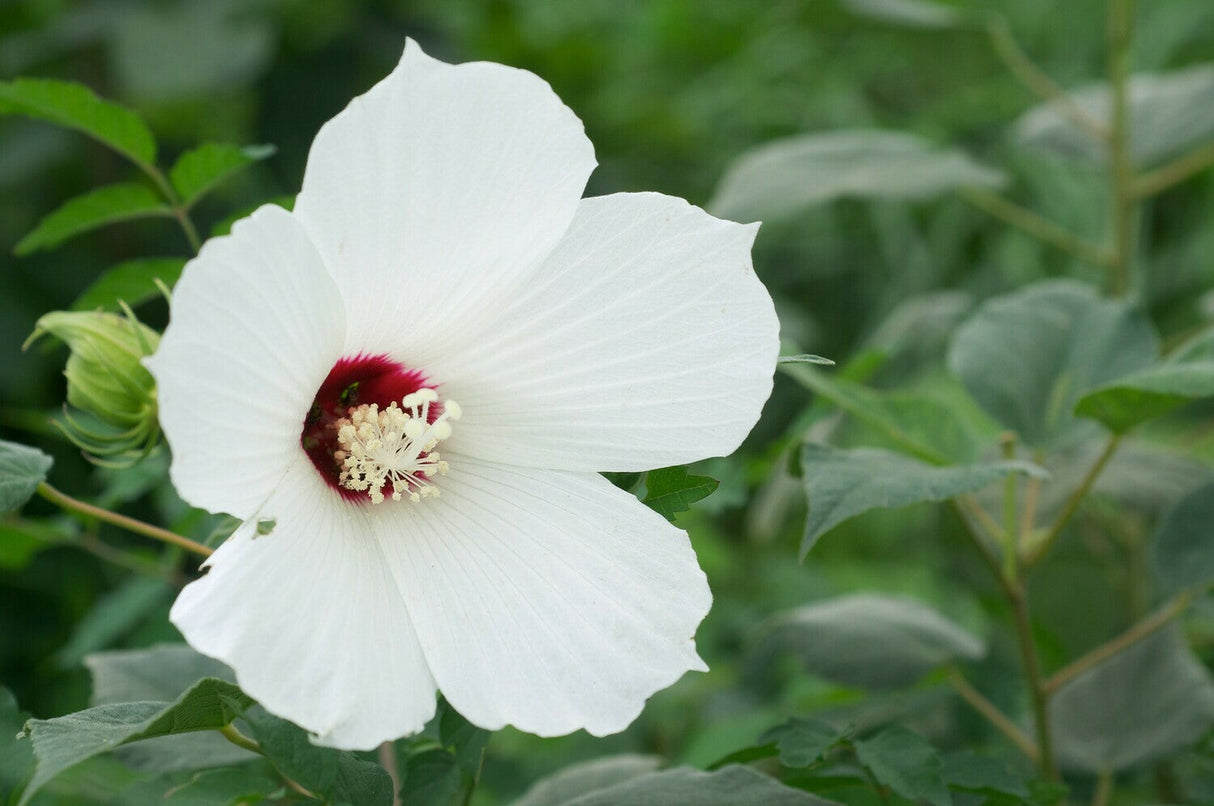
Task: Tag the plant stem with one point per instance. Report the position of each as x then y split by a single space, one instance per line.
1151 182
1036 225
1036 684
1039 82
1011 548
1121 166
977 521
180 211
1038 551
237 738
1149 625
993 715
387 760
1104 788
65 501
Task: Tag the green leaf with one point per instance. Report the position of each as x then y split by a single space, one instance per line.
1143 704
67 740
683 786
671 490
984 775
242 785
1182 551
802 742
75 106
431 778
783 177
906 763
132 282
105 205
465 741
909 13
570 783
335 774
1029 355
162 672
1148 393
16 755
196 172
22 538
22 469
872 641
1169 113
844 483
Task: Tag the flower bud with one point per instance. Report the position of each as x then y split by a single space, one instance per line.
112 398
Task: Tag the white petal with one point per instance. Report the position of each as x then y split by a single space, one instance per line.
254 330
646 341
550 601
435 194
312 621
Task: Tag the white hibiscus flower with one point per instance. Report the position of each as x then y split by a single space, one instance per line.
438 252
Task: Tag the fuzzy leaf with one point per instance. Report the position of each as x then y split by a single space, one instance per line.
97 208
197 171
1182 550
783 177
844 483
682 786
872 641
75 106
22 469
587 777
65 741
1148 393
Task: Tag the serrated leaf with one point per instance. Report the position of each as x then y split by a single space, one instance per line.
587 777
671 490
75 106
197 171
1182 550
132 282
683 786
162 672
844 483
906 763
872 641
1028 356
801 742
67 740
783 177
1148 393
22 469
1169 113
105 205
1143 704
334 774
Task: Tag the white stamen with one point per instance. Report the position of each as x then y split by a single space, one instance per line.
394 446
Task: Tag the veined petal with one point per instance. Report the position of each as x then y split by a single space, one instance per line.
311 619
436 194
545 600
255 327
645 341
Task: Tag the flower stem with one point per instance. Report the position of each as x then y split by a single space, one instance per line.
1121 166
1038 693
1143 629
64 501
387 760
993 715
237 738
1036 225
1039 550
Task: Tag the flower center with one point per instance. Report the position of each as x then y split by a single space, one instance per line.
372 430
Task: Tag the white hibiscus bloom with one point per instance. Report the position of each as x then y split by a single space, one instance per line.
440 251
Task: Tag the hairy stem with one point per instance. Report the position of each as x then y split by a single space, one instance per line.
1121 166
996 717
64 501
1148 626
1037 226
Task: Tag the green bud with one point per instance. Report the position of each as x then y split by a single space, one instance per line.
112 397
